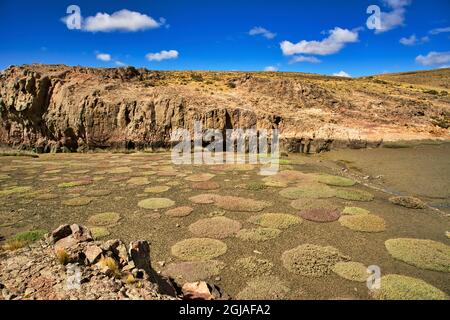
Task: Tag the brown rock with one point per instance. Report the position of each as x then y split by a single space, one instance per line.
93 253
196 291
140 254
60 232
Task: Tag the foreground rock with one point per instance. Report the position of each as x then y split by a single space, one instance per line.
70 265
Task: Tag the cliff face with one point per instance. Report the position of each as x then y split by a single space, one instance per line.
55 107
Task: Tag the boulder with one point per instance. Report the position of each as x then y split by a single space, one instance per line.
140 254
196 291
93 253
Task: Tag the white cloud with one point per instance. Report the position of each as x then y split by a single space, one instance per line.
434 58
394 18
270 68
123 20
119 63
103 56
413 40
439 30
342 74
336 40
262 31
162 55
304 59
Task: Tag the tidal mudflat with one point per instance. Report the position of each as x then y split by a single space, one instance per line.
308 232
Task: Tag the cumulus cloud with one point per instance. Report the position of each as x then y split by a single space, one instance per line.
394 18
262 31
304 59
103 56
342 74
434 58
270 68
119 63
162 55
440 30
413 40
336 40
123 20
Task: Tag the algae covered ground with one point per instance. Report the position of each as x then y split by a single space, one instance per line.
308 232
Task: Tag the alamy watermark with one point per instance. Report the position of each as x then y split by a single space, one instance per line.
230 146
73 273
374 21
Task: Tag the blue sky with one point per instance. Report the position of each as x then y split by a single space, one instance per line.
323 36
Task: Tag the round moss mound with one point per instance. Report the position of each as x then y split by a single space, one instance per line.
231 203
156 203
200 177
30 236
138 181
408 202
308 203
72 184
77 201
275 220
157 189
205 198
104 219
312 260
179 212
120 170
290 176
335 180
353 211
198 249
205 185
363 223
14 190
315 191
192 271
269 182
258 234
354 271
424 254
253 266
354 195
398 287
216 227
320 214
98 193
99 232
46 196
264 288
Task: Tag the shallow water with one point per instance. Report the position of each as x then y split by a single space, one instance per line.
423 171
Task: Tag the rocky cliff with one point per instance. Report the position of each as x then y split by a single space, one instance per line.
60 108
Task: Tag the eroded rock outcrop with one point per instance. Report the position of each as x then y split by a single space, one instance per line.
53 108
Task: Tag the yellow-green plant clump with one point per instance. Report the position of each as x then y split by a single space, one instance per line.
253 266
104 219
354 194
398 287
337 181
99 232
264 288
363 223
275 220
421 253
312 260
408 202
354 211
157 189
192 271
315 191
14 190
354 271
77 201
216 227
156 203
198 249
258 234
